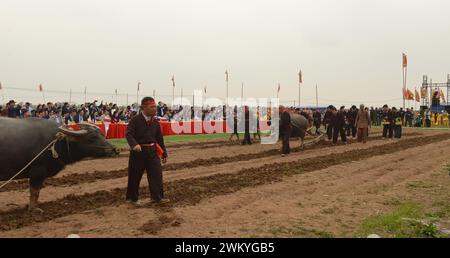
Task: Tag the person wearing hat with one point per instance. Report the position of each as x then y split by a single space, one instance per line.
147 151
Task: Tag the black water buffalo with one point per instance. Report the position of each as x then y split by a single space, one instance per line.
22 139
299 127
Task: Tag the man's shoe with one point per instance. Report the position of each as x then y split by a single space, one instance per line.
134 203
162 201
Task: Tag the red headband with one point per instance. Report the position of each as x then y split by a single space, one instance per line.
150 102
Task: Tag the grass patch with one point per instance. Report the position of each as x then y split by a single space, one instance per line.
420 184
404 222
122 143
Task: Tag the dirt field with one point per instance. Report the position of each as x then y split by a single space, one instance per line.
218 189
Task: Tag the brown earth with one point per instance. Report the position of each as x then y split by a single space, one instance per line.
320 189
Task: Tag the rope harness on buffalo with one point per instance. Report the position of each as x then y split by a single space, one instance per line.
59 136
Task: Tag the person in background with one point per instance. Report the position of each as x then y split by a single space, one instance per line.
339 126
445 118
13 111
115 119
427 118
329 120
351 118
285 130
317 118
362 123
387 121
398 122
70 118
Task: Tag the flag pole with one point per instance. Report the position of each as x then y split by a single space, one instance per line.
278 91
3 95
173 89
137 93
300 80
70 96
404 70
42 90
317 98
154 94
85 88
181 97
116 96
242 92
127 98
226 79
415 101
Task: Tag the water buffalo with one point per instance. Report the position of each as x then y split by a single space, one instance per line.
300 126
22 139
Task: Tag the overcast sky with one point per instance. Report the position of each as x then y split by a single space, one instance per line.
350 48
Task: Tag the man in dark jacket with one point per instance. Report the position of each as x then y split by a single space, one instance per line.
339 124
328 121
317 117
146 143
285 130
13 111
387 121
351 118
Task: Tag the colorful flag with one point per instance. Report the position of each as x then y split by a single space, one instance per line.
40 88
410 95
173 80
226 75
417 95
300 77
424 92
405 60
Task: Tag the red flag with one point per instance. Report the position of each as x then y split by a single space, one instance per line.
300 77
417 95
405 60
40 88
173 80
226 75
